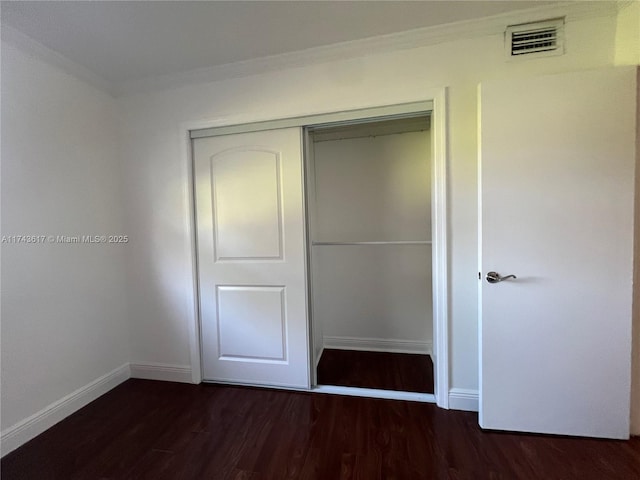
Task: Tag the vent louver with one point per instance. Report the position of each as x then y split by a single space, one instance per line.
535 39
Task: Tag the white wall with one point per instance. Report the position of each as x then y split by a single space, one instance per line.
63 305
157 183
373 189
374 297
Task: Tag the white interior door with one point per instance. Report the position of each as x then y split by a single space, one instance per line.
557 193
251 258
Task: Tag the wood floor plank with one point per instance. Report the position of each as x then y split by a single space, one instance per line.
166 431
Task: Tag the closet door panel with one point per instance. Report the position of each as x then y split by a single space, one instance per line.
251 258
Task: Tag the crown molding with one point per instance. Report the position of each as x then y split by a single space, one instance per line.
409 39
28 45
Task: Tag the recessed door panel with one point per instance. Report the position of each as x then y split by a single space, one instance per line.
251 324
247 193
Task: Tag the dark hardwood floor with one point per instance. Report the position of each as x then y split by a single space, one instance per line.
158 430
386 371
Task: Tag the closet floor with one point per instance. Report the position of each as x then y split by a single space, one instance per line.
386 371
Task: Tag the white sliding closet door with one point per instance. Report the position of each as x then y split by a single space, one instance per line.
251 258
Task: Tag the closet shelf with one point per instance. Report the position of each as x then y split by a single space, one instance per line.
392 242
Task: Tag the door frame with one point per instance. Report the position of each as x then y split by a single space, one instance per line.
434 101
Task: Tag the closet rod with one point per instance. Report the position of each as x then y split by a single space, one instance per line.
396 242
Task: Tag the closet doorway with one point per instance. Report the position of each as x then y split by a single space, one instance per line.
272 257
369 197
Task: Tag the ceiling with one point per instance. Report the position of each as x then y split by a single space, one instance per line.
122 41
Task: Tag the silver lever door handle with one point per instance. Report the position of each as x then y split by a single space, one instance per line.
495 277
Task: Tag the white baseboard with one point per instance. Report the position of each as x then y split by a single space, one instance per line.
23 431
162 371
463 399
378 345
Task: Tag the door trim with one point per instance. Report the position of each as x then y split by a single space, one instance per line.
439 236
437 100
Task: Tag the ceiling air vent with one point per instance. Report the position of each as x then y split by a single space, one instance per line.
539 39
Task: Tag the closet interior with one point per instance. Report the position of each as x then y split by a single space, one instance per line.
369 218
